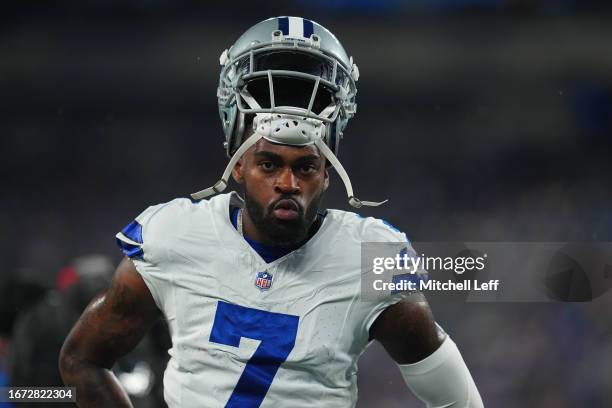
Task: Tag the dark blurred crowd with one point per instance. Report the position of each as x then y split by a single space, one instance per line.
35 321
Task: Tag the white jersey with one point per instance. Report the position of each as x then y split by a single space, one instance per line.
246 333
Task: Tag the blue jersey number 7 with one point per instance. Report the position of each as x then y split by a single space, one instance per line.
276 332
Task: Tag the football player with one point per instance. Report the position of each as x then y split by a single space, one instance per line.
262 294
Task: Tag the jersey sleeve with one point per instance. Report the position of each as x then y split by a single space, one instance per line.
146 241
372 306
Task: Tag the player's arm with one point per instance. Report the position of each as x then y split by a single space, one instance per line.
428 359
110 327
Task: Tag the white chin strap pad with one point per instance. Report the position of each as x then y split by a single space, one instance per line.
289 130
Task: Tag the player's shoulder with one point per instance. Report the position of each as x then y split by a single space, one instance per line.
161 219
172 224
170 211
181 209
171 220
366 229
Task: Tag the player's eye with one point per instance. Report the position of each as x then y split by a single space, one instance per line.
267 166
308 169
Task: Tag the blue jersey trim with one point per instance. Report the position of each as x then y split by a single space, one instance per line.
393 227
131 251
134 232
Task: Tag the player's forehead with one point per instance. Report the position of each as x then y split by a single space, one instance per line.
288 153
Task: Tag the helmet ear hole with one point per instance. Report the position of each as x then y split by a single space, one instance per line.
237 133
228 118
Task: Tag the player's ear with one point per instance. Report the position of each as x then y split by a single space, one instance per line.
237 171
326 181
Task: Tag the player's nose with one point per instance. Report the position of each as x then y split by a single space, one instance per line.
287 182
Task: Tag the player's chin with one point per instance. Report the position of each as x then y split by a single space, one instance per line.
287 232
290 225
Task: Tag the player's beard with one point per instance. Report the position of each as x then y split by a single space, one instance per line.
282 233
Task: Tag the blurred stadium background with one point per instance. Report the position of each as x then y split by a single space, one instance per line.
478 119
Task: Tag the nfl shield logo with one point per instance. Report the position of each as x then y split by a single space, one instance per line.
263 280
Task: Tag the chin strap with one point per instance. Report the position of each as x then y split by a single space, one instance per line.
305 136
354 201
221 185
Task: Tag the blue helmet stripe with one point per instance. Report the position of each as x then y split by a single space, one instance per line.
308 28
283 25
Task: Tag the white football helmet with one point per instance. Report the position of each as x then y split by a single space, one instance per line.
294 79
